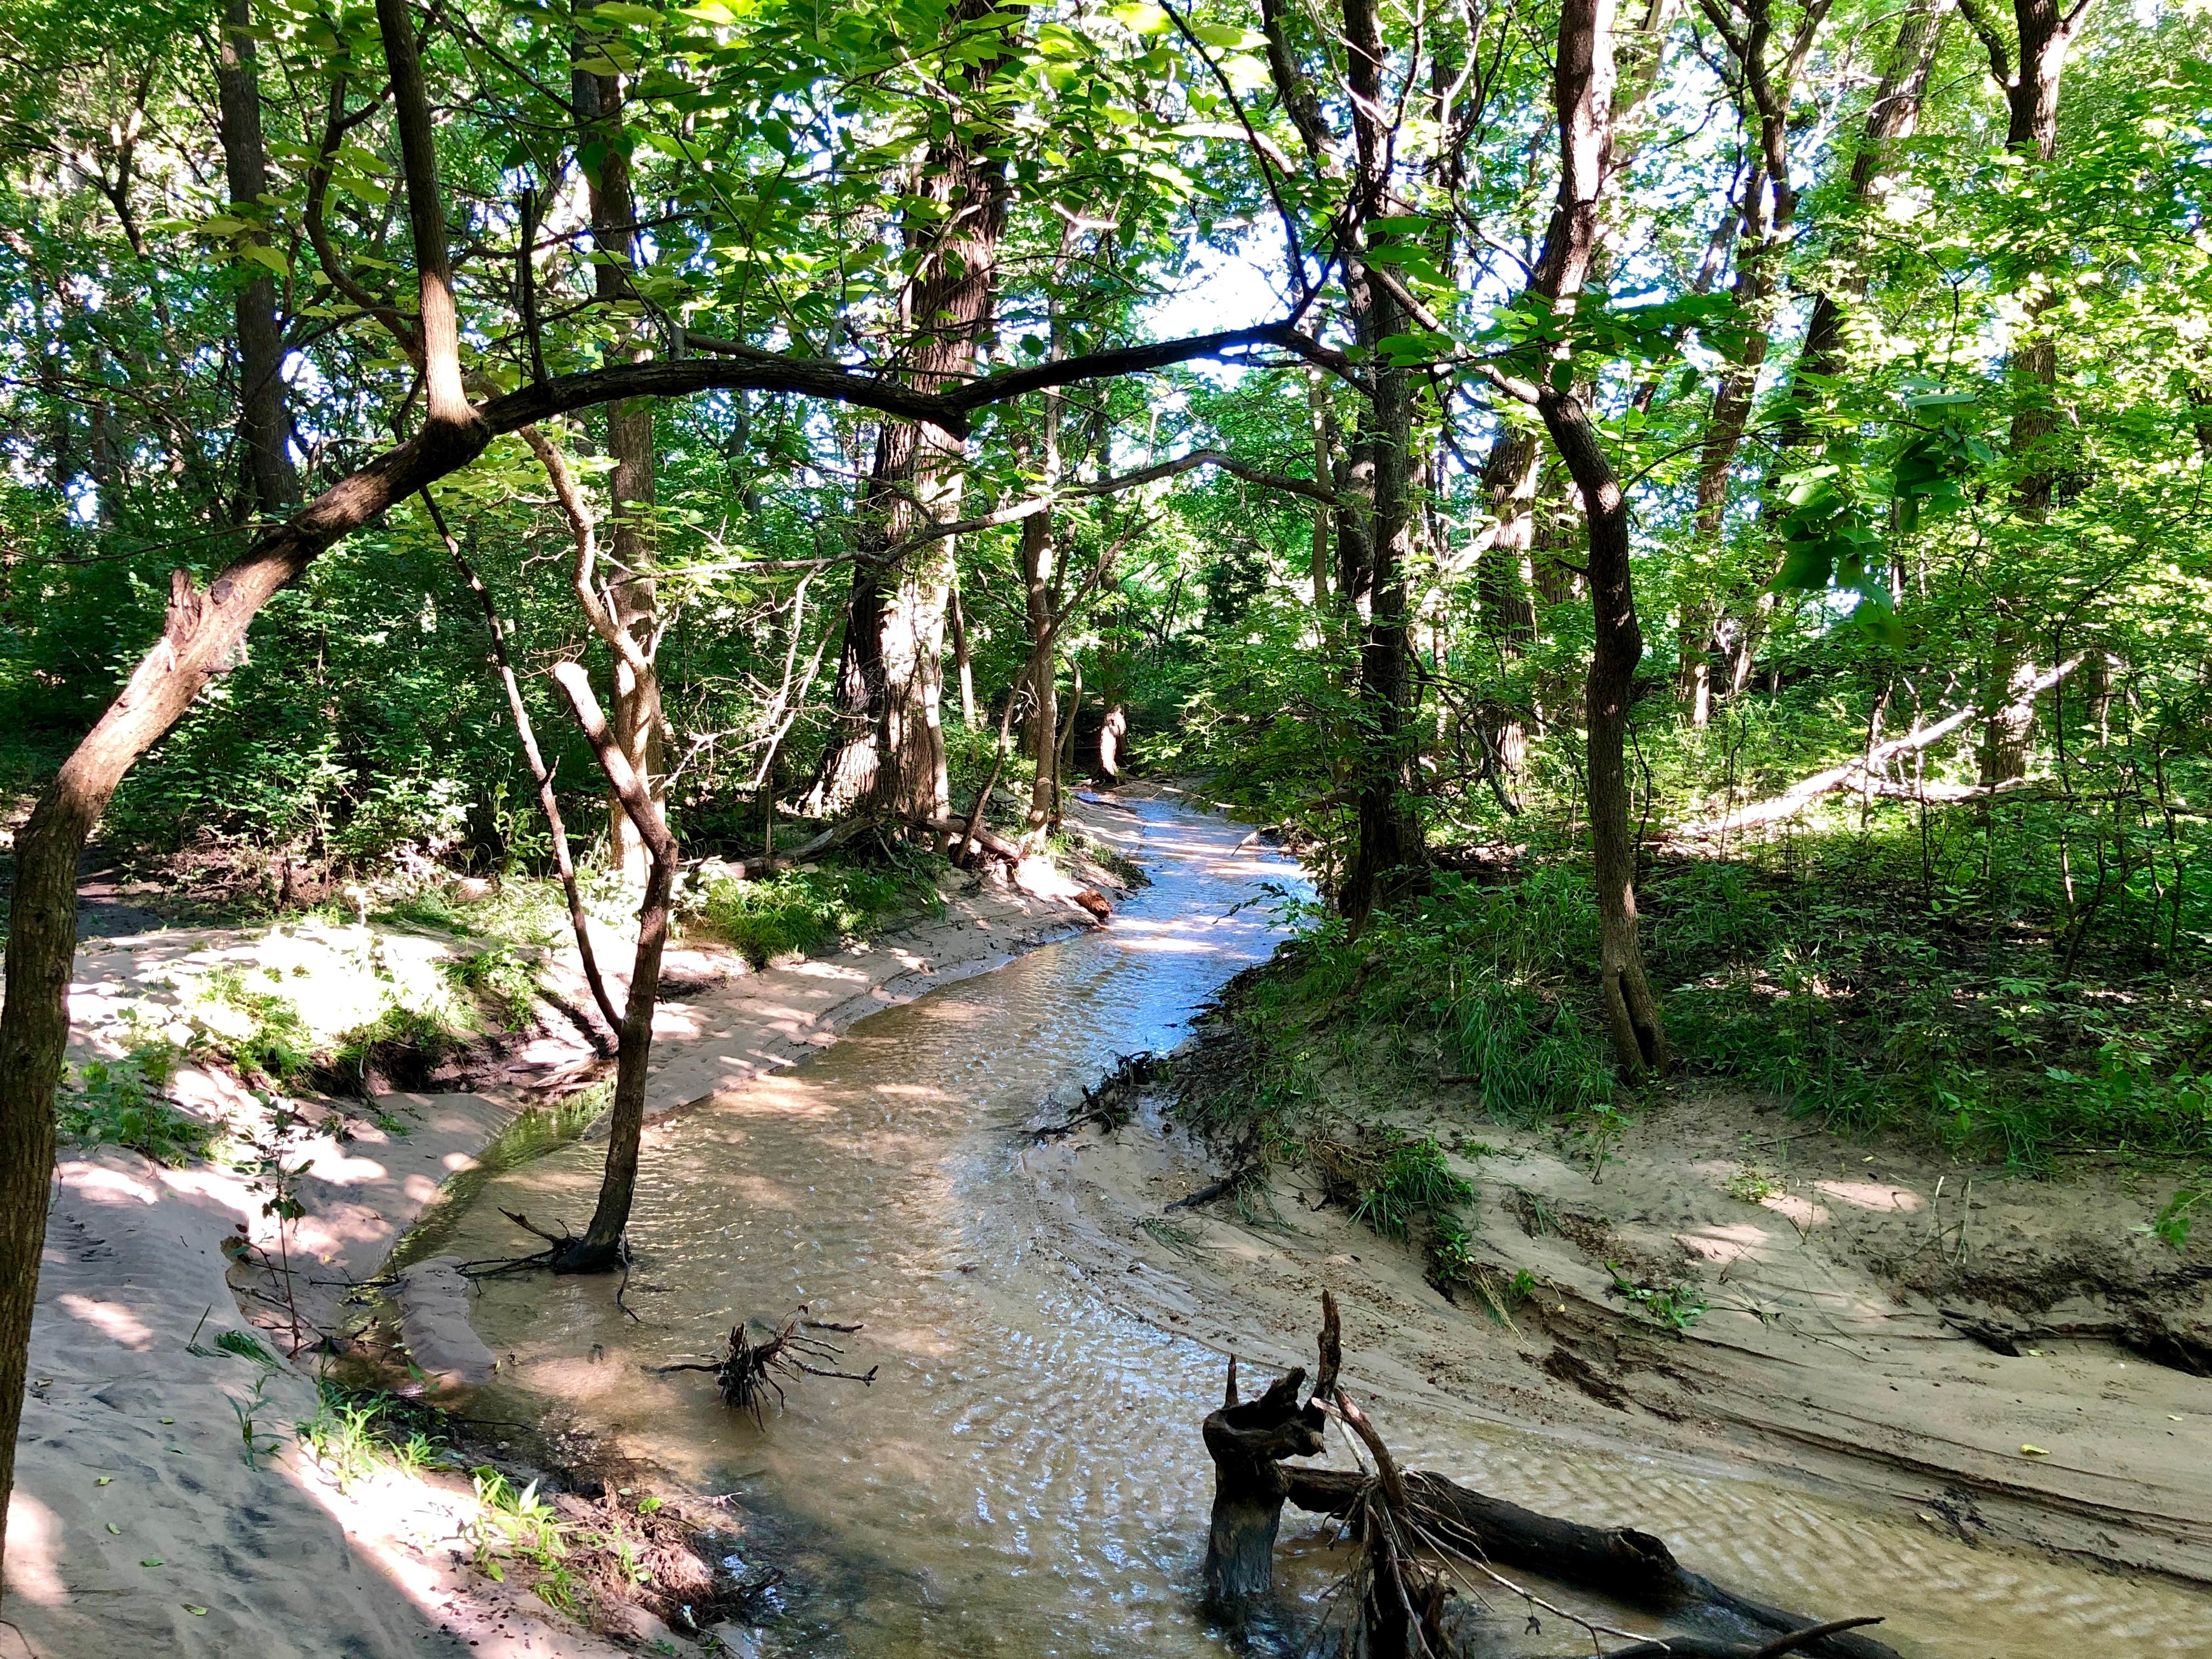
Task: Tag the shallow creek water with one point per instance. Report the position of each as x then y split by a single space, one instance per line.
1024 1477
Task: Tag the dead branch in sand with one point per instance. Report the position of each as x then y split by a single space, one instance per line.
1427 1539
748 1370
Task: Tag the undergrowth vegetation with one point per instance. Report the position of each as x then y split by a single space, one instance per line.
121 1103
1870 983
805 909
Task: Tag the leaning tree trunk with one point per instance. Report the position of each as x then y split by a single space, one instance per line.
602 1248
1583 81
1632 1012
202 630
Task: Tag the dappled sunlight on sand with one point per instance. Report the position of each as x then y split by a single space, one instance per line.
116 1323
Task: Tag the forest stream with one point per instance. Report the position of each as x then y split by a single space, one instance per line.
1024 1476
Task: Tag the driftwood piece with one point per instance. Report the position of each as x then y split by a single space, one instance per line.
988 839
749 1371
1620 1562
1247 1442
1112 1103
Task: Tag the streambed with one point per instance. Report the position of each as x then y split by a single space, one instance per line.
1025 1477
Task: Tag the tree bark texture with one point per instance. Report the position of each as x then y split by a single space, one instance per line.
601 1248
634 709
264 424
1390 846
887 742
1583 82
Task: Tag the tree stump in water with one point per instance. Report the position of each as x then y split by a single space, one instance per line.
1248 1442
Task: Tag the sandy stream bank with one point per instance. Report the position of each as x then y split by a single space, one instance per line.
1848 1307
137 1526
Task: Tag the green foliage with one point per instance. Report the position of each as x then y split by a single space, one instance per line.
1676 1306
354 1433
274 1040
1485 984
504 982
804 910
1849 988
120 1102
2177 1216
1411 1183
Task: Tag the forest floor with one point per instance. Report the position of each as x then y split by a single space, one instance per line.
2006 1357
167 1498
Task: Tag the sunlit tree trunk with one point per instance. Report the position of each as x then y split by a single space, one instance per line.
2031 92
635 713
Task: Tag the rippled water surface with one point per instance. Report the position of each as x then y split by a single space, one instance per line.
1024 1477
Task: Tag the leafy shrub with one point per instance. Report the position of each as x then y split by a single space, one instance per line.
120 1102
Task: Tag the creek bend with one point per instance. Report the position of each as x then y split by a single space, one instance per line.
1025 1476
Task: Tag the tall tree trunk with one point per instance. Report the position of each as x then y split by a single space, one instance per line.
1041 717
963 659
1390 845
264 424
1583 86
632 597
1890 119
887 747
1768 216
2030 133
1509 582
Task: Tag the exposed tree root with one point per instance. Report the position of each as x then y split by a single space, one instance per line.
1112 1103
747 1372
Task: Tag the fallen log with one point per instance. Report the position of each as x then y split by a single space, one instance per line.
1420 1527
1619 1562
986 838
1862 770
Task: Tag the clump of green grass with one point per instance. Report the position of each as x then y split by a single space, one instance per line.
1410 1182
120 1102
355 1431
808 909
499 980
405 1043
1481 985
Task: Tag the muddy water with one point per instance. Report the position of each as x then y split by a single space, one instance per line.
1024 1476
